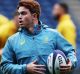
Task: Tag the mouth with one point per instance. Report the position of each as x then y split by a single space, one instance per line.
21 23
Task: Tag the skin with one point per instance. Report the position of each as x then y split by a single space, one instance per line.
0 52
64 69
15 20
33 68
58 12
27 20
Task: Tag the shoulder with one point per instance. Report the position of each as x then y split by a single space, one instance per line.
51 32
68 23
14 37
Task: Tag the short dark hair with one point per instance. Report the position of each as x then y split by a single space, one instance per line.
64 6
32 5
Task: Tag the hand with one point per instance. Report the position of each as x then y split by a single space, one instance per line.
33 68
64 69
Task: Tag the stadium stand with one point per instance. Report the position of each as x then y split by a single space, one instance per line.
7 7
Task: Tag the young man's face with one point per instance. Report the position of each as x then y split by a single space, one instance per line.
25 17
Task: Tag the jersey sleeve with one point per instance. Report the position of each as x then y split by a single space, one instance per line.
67 48
8 61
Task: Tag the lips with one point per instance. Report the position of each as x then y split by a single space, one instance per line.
20 22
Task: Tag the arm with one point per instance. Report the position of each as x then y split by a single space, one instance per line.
8 64
67 48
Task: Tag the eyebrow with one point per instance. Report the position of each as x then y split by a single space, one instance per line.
22 11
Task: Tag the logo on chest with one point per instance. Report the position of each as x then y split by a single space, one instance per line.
46 40
22 41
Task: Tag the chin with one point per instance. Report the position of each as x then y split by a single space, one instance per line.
21 25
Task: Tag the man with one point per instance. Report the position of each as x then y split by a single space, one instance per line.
26 51
65 25
7 30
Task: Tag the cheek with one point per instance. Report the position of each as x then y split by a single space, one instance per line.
56 12
27 18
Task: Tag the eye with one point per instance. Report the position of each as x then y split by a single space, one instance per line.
23 13
17 13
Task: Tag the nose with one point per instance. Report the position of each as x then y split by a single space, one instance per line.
20 16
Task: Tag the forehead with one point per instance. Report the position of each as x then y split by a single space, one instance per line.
57 6
23 9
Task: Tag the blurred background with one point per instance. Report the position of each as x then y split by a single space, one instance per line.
8 7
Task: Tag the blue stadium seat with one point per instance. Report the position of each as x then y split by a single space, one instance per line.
8 7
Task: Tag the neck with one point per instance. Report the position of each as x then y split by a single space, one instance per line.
60 16
31 29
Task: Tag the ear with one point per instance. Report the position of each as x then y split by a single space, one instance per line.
34 16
